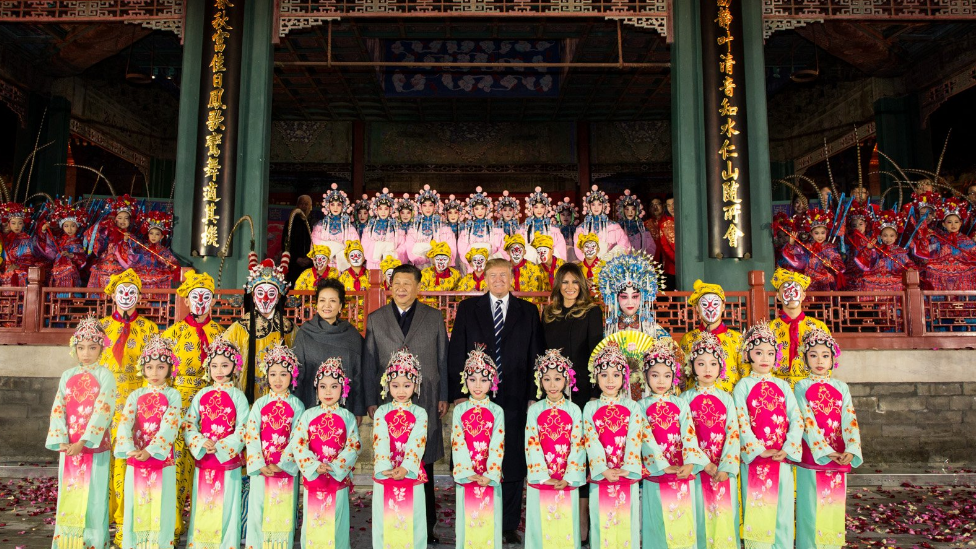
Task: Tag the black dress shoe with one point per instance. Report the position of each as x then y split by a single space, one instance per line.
511 536
432 539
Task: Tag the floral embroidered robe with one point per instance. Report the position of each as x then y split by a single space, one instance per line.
716 422
830 425
478 447
614 433
272 500
326 434
399 507
151 422
769 419
667 502
82 411
219 414
554 450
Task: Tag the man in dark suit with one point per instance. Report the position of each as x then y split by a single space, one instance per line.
510 329
406 322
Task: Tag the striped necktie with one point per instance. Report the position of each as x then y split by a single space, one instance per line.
499 326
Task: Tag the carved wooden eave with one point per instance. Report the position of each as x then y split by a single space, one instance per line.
834 147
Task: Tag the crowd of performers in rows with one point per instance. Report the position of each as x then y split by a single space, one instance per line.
86 243
201 414
854 245
451 240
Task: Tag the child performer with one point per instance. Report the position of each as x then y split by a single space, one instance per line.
149 427
474 281
325 446
478 446
556 457
613 429
65 250
214 432
273 495
713 414
672 456
770 430
80 418
831 446
399 440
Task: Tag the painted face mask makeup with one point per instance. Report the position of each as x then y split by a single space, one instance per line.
517 252
265 298
320 262
478 262
356 258
126 297
200 301
589 250
545 254
710 308
791 293
440 262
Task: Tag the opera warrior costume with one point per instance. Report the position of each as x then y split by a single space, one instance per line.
155 263
526 276
950 257
18 245
549 263
82 412
819 260
880 264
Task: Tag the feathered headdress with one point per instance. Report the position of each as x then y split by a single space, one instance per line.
221 346
817 218
928 199
332 367
159 348
628 199
12 210
64 211
538 197
609 357
595 195
634 270
665 351
706 343
553 359
334 195
283 355
478 362
817 336
402 363
756 335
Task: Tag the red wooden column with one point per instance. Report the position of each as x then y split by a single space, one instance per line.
358 159
914 305
583 158
758 304
33 300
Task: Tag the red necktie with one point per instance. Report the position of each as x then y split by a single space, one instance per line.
118 348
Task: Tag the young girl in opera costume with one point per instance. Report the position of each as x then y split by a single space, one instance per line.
325 446
399 440
65 250
214 432
555 455
539 221
716 424
478 446
614 430
273 495
596 206
831 446
474 281
382 236
427 227
148 429
335 228
155 263
770 430
80 418
479 230
671 454
17 244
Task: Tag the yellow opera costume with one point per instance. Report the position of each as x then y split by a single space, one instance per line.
731 340
191 341
790 331
128 333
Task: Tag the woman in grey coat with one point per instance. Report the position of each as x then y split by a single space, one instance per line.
327 335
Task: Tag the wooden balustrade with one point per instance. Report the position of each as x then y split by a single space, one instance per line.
909 319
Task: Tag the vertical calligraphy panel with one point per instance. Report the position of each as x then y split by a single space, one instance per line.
220 76
726 147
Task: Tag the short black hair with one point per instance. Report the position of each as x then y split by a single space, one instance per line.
331 284
406 269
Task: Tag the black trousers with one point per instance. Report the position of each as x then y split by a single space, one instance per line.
512 504
429 498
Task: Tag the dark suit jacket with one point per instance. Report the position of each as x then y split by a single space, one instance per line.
523 341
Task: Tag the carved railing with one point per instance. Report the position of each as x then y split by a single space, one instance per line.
908 319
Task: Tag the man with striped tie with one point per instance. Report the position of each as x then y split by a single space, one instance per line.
510 329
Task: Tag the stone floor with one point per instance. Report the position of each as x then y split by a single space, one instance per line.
907 516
